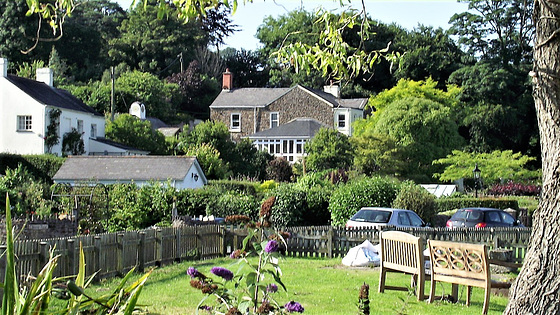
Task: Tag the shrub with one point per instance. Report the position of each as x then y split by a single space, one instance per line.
514 189
41 166
317 199
445 204
279 170
289 207
416 198
347 199
243 187
156 201
125 212
267 185
194 202
232 203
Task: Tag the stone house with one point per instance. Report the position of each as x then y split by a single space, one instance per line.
250 110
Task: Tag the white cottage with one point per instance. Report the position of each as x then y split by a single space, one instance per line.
179 171
25 109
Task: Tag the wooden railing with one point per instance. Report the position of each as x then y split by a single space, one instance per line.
115 253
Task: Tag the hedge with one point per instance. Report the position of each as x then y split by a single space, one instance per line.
445 204
42 166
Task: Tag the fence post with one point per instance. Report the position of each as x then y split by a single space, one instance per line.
120 253
141 249
97 246
72 255
330 242
44 256
158 243
178 253
223 236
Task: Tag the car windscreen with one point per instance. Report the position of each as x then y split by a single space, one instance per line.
372 216
468 215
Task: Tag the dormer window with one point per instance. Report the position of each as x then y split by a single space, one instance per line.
273 120
341 120
235 122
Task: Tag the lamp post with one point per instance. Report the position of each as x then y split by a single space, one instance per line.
476 176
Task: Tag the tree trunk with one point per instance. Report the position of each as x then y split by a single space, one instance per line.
537 288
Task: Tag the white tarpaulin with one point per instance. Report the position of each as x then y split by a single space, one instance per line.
365 254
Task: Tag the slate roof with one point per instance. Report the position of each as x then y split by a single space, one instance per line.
51 96
299 128
262 97
140 168
118 145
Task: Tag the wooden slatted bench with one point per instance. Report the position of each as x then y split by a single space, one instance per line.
461 263
402 252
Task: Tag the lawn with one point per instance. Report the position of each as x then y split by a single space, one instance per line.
322 286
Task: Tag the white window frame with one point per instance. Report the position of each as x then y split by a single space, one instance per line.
232 121
93 131
343 121
80 126
24 123
274 122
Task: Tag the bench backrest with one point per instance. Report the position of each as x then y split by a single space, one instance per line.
402 251
462 260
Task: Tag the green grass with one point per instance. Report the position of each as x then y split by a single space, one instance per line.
322 286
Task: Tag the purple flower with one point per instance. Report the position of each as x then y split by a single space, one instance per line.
222 272
293 307
271 246
193 272
271 288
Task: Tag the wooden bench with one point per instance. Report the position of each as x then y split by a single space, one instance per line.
461 263
402 252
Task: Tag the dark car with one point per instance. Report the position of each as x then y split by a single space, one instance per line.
482 217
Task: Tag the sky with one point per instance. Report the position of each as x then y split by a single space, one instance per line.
406 13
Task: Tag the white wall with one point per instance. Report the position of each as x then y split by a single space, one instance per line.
14 102
352 115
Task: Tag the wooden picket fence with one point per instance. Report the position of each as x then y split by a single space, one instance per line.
114 254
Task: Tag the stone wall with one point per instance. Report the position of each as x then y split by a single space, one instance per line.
39 229
298 103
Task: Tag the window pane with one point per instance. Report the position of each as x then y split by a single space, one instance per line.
341 120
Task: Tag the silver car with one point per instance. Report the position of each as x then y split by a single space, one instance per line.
378 216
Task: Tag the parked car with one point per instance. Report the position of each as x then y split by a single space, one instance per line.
481 217
377 216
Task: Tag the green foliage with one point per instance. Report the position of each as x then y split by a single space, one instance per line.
159 97
231 203
414 197
195 202
317 201
32 197
248 162
72 143
267 185
347 199
136 133
242 187
127 213
290 206
446 204
377 154
212 133
210 162
51 136
328 149
495 166
279 170
41 166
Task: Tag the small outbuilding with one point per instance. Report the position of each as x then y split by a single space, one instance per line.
180 172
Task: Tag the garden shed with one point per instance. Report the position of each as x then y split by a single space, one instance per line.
180 172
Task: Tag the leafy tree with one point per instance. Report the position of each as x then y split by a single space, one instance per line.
497 166
72 143
377 154
498 29
59 68
428 53
279 170
152 45
328 149
160 98
131 131
198 90
216 134
250 162
249 67
415 197
423 129
210 162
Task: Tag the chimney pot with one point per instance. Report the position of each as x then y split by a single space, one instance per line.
4 67
227 80
45 75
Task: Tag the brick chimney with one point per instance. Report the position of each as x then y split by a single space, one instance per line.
4 67
45 75
227 80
